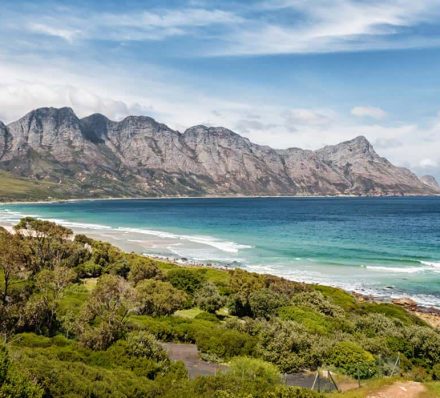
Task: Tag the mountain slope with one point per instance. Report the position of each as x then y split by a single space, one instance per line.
138 156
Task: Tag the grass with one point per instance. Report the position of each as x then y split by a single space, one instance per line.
391 310
188 314
433 390
367 388
90 283
338 296
12 188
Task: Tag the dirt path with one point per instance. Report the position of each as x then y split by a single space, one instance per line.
404 389
188 354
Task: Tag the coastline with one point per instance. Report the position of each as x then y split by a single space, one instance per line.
118 198
144 241
428 314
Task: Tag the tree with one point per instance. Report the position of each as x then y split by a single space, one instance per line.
12 260
242 285
353 360
255 370
158 298
143 344
142 268
209 299
40 310
264 302
13 384
46 241
103 319
187 280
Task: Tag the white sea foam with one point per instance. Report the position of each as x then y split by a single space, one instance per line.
425 266
403 270
222 245
431 264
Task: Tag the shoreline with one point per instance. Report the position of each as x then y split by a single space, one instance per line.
429 312
118 198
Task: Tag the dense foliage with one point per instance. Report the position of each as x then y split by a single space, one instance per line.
81 318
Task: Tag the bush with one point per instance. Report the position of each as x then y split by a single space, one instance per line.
218 343
143 268
208 298
253 369
207 316
393 311
264 303
143 344
423 344
313 321
187 280
436 371
353 360
284 343
318 302
159 298
292 392
4 363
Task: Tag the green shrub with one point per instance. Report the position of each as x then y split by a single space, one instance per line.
264 303
143 344
423 344
353 360
313 321
208 298
436 371
218 343
393 311
254 369
187 280
286 344
318 302
89 269
338 297
159 298
292 392
4 363
207 316
143 268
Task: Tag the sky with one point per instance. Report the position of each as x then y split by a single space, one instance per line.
283 73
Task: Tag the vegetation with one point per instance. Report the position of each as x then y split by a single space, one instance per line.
80 318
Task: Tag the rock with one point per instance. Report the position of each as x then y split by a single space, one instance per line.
406 302
138 156
430 181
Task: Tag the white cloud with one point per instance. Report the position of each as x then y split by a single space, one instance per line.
251 29
303 116
346 25
129 26
426 163
63 33
368 111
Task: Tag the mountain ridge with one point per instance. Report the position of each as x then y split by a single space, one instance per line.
138 156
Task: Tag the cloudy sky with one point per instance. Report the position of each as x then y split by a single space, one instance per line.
285 73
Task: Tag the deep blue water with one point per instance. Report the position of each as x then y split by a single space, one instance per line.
388 246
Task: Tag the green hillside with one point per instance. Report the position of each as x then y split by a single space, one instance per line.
81 318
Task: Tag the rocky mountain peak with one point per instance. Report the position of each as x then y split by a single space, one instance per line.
430 181
140 156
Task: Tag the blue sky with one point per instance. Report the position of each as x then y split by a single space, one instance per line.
303 73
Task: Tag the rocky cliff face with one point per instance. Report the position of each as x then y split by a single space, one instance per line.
430 181
139 156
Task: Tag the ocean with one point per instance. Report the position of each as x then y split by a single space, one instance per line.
388 247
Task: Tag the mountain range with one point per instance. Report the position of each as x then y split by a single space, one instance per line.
97 157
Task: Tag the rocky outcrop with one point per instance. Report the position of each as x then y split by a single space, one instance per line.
430 181
139 156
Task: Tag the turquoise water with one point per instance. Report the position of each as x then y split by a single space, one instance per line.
384 246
